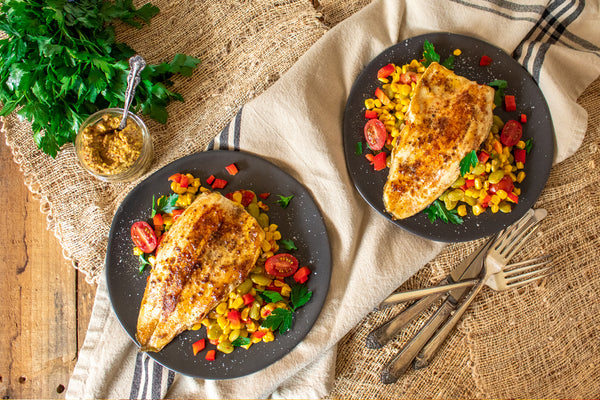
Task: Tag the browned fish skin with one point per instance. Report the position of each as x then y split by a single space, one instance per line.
207 253
448 117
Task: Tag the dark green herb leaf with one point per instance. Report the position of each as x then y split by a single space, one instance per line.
528 145
470 160
288 244
280 319
448 62
165 204
437 210
271 296
144 263
241 341
300 296
499 85
359 148
429 54
284 201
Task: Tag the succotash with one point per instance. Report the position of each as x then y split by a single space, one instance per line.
488 181
242 319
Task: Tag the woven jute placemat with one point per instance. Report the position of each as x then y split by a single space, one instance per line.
541 341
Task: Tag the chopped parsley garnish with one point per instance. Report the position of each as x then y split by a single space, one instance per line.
448 63
143 263
528 145
470 160
281 318
284 201
241 341
288 244
429 56
271 296
499 85
437 210
359 149
165 204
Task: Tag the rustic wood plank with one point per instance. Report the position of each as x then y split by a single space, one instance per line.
38 337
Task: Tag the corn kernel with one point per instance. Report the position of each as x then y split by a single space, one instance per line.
286 290
234 335
269 337
369 104
517 191
205 322
204 190
221 308
457 52
254 339
494 208
502 194
462 210
520 165
384 80
478 209
278 283
251 326
137 251
196 327
496 199
237 303
520 144
223 322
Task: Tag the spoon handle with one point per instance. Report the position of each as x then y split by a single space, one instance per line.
136 65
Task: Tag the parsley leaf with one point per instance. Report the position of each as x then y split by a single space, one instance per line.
448 62
499 85
165 204
470 160
241 341
271 296
429 54
143 263
284 201
528 145
300 296
437 210
288 244
280 319
359 149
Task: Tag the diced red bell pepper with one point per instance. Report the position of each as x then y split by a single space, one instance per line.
520 155
210 355
485 60
176 214
210 179
509 103
157 220
183 181
175 177
199 346
486 201
219 183
523 118
248 299
382 96
247 197
232 169
377 161
469 183
259 334
483 156
234 315
386 71
264 195
513 197
302 275
370 114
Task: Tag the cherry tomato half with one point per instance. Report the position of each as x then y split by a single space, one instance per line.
511 133
375 134
505 184
281 265
143 236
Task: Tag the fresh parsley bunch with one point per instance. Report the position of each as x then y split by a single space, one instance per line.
60 63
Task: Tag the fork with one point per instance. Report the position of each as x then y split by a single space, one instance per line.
508 243
513 276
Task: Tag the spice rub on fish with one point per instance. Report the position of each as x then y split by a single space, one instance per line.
448 117
206 254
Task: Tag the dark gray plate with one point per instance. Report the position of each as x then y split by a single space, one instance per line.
301 221
530 101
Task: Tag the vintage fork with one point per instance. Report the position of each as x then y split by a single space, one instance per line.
508 243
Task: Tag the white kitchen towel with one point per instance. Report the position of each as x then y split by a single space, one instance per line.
297 124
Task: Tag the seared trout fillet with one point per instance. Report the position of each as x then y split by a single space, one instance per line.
205 255
448 117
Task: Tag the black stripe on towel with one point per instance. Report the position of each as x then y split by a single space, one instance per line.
137 377
157 381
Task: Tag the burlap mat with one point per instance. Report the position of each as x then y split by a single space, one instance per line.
543 341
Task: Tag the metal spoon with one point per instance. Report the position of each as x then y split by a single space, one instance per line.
136 65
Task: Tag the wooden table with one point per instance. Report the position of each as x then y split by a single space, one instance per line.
47 307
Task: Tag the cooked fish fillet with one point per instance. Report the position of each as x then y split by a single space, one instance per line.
205 255
448 117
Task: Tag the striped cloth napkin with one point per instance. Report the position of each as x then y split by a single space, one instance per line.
300 117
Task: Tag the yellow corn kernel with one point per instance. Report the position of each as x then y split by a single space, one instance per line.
244 313
268 254
269 337
513 177
405 90
286 290
482 194
221 308
137 251
421 69
520 144
496 199
414 64
502 194
237 302
268 236
192 189
278 283
404 68
477 209
369 104
204 190
234 335
505 207
223 322
254 339
520 165
457 52
405 102
196 327
267 309
233 325
517 191
486 186
237 197
462 210
399 115
176 187
266 246
494 208
384 80
196 182
470 192
478 184
251 326
404 109
205 322
152 260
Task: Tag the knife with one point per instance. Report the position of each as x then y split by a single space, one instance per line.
469 268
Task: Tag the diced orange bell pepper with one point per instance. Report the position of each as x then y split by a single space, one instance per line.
183 181
385 100
157 220
386 71
370 114
176 214
232 169
210 355
175 177
199 346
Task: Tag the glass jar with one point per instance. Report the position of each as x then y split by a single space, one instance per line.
112 155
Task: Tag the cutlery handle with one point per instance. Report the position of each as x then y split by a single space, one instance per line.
418 293
400 363
431 348
380 336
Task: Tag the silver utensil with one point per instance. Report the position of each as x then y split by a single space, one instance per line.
470 267
505 247
136 65
512 276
